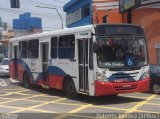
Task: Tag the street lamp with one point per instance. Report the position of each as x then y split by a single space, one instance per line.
56 11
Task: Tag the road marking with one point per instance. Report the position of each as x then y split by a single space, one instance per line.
35 106
43 111
12 107
14 89
21 99
104 107
10 93
35 101
62 103
37 110
73 111
13 81
81 116
113 108
152 104
134 108
2 83
23 94
80 108
140 104
145 111
157 98
133 96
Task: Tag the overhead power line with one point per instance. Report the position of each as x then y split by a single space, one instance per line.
44 4
21 11
60 1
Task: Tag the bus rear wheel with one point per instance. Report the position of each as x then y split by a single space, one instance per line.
70 89
26 81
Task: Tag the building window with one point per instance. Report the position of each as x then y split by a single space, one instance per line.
158 55
33 49
23 45
66 47
105 19
86 11
54 41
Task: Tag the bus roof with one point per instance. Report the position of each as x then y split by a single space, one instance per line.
56 32
63 31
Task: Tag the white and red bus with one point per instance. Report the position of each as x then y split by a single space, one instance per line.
94 60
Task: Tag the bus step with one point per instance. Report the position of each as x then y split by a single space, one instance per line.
45 86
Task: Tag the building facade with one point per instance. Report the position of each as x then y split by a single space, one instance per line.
107 11
3 27
27 25
79 13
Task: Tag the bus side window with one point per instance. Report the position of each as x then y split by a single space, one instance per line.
33 49
54 41
23 46
66 47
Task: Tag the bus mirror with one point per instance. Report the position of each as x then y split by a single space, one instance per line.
95 47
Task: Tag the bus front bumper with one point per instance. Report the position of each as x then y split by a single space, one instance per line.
107 88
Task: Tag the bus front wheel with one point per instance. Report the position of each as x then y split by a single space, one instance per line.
26 81
70 89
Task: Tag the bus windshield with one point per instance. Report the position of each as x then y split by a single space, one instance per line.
121 51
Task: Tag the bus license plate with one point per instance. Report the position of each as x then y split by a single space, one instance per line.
126 85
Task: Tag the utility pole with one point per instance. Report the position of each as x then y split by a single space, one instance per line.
129 17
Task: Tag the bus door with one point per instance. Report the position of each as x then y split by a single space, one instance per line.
45 51
83 65
16 61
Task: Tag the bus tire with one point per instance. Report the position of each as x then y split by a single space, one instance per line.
26 81
156 88
69 88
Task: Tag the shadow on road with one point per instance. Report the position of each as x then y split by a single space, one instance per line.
101 100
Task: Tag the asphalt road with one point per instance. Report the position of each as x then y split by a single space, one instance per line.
39 103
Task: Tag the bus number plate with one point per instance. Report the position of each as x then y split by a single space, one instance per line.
126 85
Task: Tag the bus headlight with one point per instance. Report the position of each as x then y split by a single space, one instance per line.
145 75
101 77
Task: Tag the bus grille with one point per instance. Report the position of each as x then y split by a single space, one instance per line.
123 75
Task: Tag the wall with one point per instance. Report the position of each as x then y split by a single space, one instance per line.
109 8
149 18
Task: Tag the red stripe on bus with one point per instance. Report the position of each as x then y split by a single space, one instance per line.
12 69
20 72
107 88
56 81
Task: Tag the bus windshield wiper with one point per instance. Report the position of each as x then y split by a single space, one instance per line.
133 39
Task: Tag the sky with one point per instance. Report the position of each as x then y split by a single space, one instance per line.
50 18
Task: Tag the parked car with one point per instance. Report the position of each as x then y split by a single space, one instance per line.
155 78
4 67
